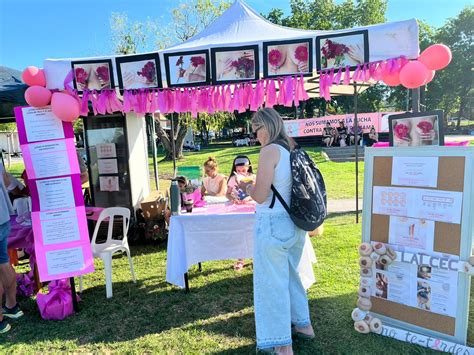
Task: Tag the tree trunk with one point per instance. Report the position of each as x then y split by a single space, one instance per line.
165 137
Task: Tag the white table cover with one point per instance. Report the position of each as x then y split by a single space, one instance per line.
198 237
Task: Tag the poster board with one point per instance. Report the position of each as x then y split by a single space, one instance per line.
454 177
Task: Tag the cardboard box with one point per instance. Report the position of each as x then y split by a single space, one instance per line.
153 206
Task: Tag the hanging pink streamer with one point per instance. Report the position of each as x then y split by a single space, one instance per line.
347 76
271 94
302 91
337 77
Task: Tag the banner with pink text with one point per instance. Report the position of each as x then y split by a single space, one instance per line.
314 126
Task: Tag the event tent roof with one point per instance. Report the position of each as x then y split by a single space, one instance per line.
240 25
12 92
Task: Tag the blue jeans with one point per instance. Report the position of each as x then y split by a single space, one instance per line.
4 232
279 296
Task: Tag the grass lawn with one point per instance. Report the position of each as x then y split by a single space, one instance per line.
339 177
216 317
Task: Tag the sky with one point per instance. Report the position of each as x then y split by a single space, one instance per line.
33 30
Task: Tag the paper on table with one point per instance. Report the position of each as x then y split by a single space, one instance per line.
55 193
415 171
63 261
109 183
411 232
107 166
59 226
436 205
106 150
41 124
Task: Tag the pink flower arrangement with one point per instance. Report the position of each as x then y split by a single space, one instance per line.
244 66
148 71
81 76
103 73
301 53
425 126
333 50
401 131
274 57
197 61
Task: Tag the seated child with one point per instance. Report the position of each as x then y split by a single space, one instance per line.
241 169
214 184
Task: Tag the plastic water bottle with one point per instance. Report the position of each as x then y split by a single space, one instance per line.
175 198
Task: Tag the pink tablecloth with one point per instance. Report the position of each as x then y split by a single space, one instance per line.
20 236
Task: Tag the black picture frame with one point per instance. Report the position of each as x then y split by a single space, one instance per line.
168 56
416 117
92 62
138 58
308 41
365 40
215 51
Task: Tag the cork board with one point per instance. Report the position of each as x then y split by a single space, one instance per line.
447 239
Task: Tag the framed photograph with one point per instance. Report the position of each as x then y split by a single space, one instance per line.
288 58
190 68
342 49
416 129
93 74
231 65
138 71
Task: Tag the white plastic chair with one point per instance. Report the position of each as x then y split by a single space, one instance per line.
111 246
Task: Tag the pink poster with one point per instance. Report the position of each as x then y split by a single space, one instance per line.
58 215
314 126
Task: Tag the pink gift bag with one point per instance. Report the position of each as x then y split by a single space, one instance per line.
57 304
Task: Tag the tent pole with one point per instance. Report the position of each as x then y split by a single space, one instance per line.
173 147
153 150
356 143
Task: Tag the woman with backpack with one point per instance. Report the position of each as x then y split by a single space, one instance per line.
281 305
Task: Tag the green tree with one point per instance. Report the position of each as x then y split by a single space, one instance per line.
188 19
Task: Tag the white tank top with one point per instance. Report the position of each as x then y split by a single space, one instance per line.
282 180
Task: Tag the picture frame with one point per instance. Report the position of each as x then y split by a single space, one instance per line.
141 71
276 52
342 49
191 71
234 64
93 74
414 129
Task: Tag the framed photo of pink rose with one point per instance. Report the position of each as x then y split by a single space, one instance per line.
191 68
288 58
140 71
92 74
342 50
416 129
234 64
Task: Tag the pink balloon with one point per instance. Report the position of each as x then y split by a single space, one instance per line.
413 74
436 56
391 79
37 96
65 107
431 74
32 76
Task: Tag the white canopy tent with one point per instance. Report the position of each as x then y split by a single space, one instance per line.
240 25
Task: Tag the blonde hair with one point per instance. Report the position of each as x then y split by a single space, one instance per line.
273 123
211 163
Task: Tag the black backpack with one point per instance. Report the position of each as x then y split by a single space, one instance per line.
308 207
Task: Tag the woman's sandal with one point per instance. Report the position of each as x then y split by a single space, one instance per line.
301 335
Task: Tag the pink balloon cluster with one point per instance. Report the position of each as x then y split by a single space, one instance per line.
419 72
64 106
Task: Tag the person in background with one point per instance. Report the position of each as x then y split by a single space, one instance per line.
280 301
352 135
328 137
372 138
342 134
14 187
82 168
7 274
241 168
214 184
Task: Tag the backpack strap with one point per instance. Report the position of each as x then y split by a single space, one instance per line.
282 201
